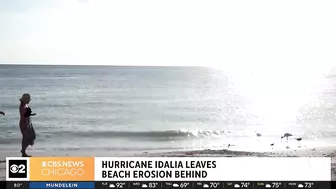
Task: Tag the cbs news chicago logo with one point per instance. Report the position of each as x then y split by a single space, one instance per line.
49 168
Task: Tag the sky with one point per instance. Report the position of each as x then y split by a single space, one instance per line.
230 34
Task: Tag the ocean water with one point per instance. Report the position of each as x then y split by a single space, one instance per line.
122 110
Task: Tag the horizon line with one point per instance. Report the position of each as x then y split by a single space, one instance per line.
107 65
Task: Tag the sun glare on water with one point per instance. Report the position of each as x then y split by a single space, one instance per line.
277 93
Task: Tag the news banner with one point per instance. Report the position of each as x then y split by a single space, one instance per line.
166 172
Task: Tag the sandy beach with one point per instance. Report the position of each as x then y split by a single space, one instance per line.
317 152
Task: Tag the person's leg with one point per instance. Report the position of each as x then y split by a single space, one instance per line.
24 146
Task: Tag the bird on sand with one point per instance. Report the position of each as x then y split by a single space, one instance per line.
286 135
258 134
272 144
298 139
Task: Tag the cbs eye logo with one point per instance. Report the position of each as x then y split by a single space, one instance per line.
17 169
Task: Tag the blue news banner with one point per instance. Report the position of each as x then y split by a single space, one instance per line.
166 185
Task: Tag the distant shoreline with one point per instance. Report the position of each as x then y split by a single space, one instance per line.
103 65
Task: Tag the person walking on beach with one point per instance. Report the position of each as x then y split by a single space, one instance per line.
26 126
2 113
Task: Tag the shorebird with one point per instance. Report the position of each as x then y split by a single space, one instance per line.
299 139
258 134
286 135
272 144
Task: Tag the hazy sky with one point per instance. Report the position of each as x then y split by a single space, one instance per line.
172 32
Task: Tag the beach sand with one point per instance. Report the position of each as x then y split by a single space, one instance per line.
317 152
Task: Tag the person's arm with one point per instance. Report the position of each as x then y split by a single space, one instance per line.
23 111
2 113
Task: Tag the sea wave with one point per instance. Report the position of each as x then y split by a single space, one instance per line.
150 134
129 135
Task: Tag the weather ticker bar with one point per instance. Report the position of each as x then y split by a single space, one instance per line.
168 184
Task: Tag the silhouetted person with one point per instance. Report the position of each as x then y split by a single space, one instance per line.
26 126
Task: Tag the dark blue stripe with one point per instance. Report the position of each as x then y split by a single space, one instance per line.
61 185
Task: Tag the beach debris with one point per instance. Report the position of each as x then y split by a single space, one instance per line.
258 134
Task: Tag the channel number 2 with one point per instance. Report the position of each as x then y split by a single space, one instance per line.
18 168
